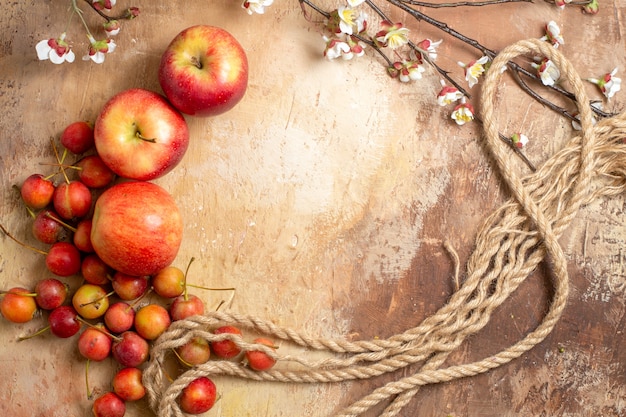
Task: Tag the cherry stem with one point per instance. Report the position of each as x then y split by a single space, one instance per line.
184 362
61 222
211 289
61 166
141 297
37 333
140 136
6 232
28 294
100 329
98 299
89 393
60 159
185 293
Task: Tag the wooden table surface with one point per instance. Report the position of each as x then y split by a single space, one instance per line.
325 197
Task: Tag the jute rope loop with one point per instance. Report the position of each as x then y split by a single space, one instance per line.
511 243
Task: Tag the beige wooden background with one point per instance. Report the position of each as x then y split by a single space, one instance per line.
324 198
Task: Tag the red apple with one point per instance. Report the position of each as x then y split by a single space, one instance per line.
261 361
77 137
131 350
186 305
204 71
46 229
198 397
226 349
94 173
128 385
94 343
108 405
129 287
195 352
119 317
72 200
151 321
51 293
137 228
17 306
139 135
90 301
37 191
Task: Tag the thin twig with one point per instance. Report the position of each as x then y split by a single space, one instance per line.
462 3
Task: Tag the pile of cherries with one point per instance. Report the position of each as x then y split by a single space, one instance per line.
109 307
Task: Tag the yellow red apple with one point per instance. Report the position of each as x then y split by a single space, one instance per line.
136 228
204 71
139 135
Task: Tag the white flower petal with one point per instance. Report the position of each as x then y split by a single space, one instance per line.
43 50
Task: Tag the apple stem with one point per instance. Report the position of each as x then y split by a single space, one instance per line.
29 294
140 136
196 61
89 393
184 362
185 293
136 302
212 289
61 222
100 329
60 160
98 299
37 333
6 232
60 166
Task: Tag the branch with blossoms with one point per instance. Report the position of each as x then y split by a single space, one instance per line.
347 35
58 50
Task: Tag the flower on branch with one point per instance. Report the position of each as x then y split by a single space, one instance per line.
112 27
345 47
103 4
519 140
474 69
256 6
347 20
428 48
463 113
609 84
407 71
561 3
393 35
56 50
99 49
553 34
448 94
576 123
547 71
592 7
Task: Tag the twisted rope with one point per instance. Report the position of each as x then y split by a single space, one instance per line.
509 246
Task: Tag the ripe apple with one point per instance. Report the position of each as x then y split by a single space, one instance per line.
127 384
94 343
261 361
198 397
151 321
108 404
226 348
17 305
136 228
139 135
37 191
131 350
186 305
204 71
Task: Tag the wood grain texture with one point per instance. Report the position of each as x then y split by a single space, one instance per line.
324 198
